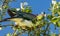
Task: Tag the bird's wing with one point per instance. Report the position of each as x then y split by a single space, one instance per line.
21 14
27 15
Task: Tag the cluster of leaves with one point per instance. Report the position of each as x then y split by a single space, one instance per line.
55 9
27 9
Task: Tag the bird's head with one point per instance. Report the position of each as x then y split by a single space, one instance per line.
39 17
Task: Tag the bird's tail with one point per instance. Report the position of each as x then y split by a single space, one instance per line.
7 19
11 13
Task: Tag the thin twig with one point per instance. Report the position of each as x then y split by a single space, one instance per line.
6 25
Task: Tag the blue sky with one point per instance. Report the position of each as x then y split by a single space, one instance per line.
37 6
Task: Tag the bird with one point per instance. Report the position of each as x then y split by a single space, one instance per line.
23 19
24 15
21 14
23 23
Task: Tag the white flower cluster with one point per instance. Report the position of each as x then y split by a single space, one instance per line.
0 28
23 4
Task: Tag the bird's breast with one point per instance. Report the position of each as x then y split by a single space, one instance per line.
22 22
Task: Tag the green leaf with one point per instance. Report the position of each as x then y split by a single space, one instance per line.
58 25
54 20
50 17
28 9
5 6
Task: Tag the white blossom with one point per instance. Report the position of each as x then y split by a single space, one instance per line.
57 6
0 28
23 4
17 9
53 2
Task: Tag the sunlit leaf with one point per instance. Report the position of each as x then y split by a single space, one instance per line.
55 20
8 34
53 34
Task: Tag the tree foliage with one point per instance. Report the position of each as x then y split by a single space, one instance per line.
33 25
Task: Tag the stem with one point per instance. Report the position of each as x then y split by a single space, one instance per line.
46 29
37 32
29 33
14 34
